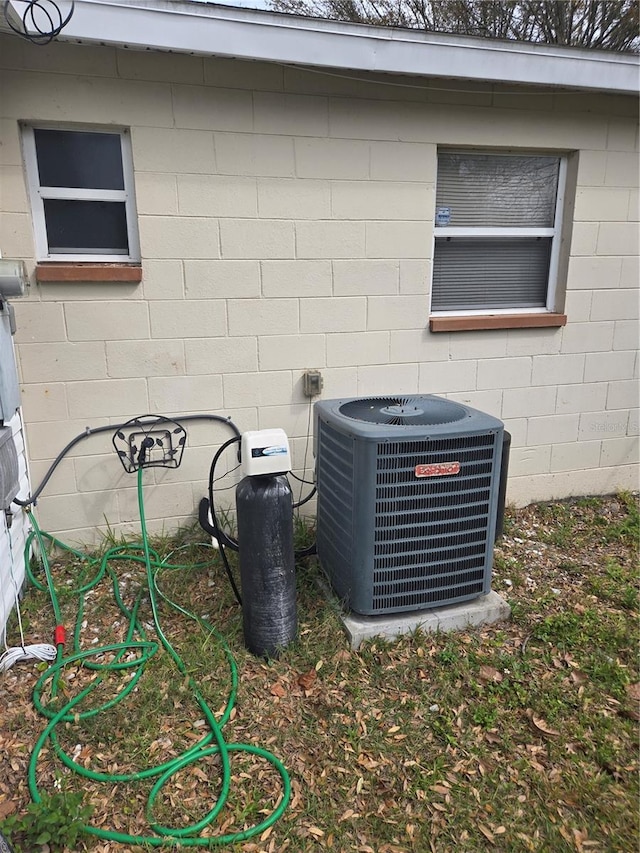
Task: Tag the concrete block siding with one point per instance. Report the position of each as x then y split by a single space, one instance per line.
286 222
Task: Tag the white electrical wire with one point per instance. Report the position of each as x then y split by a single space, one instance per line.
16 654
423 87
35 651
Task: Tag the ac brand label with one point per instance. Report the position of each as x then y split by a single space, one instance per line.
437 469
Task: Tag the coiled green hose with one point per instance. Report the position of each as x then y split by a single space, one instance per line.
212 743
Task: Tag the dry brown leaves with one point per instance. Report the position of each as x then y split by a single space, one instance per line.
371 772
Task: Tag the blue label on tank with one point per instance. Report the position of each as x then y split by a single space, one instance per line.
276 450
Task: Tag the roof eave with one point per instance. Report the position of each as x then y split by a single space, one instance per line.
214 30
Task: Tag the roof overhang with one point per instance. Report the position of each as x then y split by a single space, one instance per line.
206 29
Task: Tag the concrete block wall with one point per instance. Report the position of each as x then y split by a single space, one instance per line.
286 222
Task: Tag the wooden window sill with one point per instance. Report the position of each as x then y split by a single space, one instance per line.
72 271
496 321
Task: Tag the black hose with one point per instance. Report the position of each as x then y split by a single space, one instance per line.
111 428
203 518
219 533
40 36
214 529
305 500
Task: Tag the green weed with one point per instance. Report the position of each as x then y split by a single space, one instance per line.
628 529
55 821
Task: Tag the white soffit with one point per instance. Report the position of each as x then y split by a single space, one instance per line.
215 30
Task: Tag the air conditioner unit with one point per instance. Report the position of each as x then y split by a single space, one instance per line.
407 500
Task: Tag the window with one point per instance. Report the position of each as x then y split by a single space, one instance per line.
497 233
81 189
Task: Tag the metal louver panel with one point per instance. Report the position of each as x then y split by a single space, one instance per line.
406 512
335 468
438 558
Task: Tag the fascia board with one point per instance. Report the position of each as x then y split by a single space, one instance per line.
213 30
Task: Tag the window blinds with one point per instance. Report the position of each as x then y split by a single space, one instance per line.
493 192
501 191
490 273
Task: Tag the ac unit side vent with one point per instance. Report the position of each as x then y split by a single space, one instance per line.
399 453
441 581
423 531
385 576
468 444
335 467
388 510
417 562
437 552
436 598
392 534
437 484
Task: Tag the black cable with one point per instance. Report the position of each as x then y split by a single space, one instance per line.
112 428
29 23
203 518
304 500
309 551
214 528
226 474
301 479
219 533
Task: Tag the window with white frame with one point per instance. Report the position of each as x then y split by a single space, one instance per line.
497 232
81 191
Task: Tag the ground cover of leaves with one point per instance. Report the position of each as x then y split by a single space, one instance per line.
521 736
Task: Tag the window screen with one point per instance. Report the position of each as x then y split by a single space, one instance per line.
86 226
71 158
499 191
81 190
495 229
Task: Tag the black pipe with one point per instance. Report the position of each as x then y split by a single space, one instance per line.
502 490
112 428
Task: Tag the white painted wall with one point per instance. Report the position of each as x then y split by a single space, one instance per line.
286 222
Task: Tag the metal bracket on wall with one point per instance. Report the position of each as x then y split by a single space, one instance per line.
150 441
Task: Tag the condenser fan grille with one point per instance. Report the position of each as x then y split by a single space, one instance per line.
403 411
420 556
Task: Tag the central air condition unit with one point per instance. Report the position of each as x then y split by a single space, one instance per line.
407 500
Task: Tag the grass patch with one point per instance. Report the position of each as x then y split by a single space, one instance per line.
517 737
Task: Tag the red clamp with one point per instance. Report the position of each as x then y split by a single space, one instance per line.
59 635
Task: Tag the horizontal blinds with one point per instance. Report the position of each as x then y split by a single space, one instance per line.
497 190
490 273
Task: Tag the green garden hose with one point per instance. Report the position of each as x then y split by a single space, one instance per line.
212 743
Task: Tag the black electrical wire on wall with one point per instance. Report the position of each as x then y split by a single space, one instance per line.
111 428
41 20
213 528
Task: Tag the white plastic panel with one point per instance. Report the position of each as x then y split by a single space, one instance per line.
13 538
9 392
